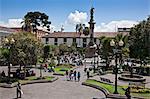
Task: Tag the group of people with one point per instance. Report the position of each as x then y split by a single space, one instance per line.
73 75
72 58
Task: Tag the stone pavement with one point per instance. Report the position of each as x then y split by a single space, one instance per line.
60 89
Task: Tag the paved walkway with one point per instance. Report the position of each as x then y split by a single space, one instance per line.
60 89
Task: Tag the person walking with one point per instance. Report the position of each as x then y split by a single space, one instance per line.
19 91
88 74
127 93
67 74
78 76
3 74
70 74
75 74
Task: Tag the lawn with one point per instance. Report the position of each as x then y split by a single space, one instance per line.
33 78
108 87
61 70
121 91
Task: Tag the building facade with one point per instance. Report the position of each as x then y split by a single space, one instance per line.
39 34
68 38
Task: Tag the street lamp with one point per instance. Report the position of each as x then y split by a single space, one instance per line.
117 52
9 44
95 47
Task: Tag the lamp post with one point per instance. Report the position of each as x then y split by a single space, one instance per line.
117 52
95 47
9 44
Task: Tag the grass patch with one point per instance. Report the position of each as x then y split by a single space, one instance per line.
108 87
33 78
61 70
37 78
121 91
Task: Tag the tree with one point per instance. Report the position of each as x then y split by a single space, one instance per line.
105 50
63 48
139 40
79 28
4 56
32 20
25 50
46 52
82 29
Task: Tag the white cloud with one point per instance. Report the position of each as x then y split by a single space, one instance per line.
113 25
12 23
77 17
17 23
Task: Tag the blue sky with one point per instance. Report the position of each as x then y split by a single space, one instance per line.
106 11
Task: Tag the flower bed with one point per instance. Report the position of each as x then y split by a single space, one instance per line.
121 89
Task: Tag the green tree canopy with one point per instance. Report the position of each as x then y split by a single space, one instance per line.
139 40
106 51
34 19
25 50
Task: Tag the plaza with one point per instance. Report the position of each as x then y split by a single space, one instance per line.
96 49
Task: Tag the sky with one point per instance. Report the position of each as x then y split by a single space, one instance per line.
108 15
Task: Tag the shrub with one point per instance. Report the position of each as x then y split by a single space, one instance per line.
6 80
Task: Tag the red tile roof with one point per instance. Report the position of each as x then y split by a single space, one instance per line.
6 29
74 34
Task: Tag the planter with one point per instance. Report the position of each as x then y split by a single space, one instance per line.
135 78
4 85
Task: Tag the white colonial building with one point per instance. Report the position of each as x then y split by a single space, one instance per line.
68 38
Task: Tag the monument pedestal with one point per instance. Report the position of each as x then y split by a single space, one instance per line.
90 52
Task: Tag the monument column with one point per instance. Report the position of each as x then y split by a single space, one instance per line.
91 23
91 48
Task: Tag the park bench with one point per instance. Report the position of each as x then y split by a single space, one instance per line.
105 80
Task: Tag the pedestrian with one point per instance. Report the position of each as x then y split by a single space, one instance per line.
19 91
75 74
127 93
3 74
70 73
85 69
78 76
67 74
88 74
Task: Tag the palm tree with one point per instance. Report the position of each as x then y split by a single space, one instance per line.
79 28
105 50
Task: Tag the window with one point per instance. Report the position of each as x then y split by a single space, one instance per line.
65 40
46 40
55 41
95 40
84 42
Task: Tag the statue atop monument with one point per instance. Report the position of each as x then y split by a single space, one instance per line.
92 14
